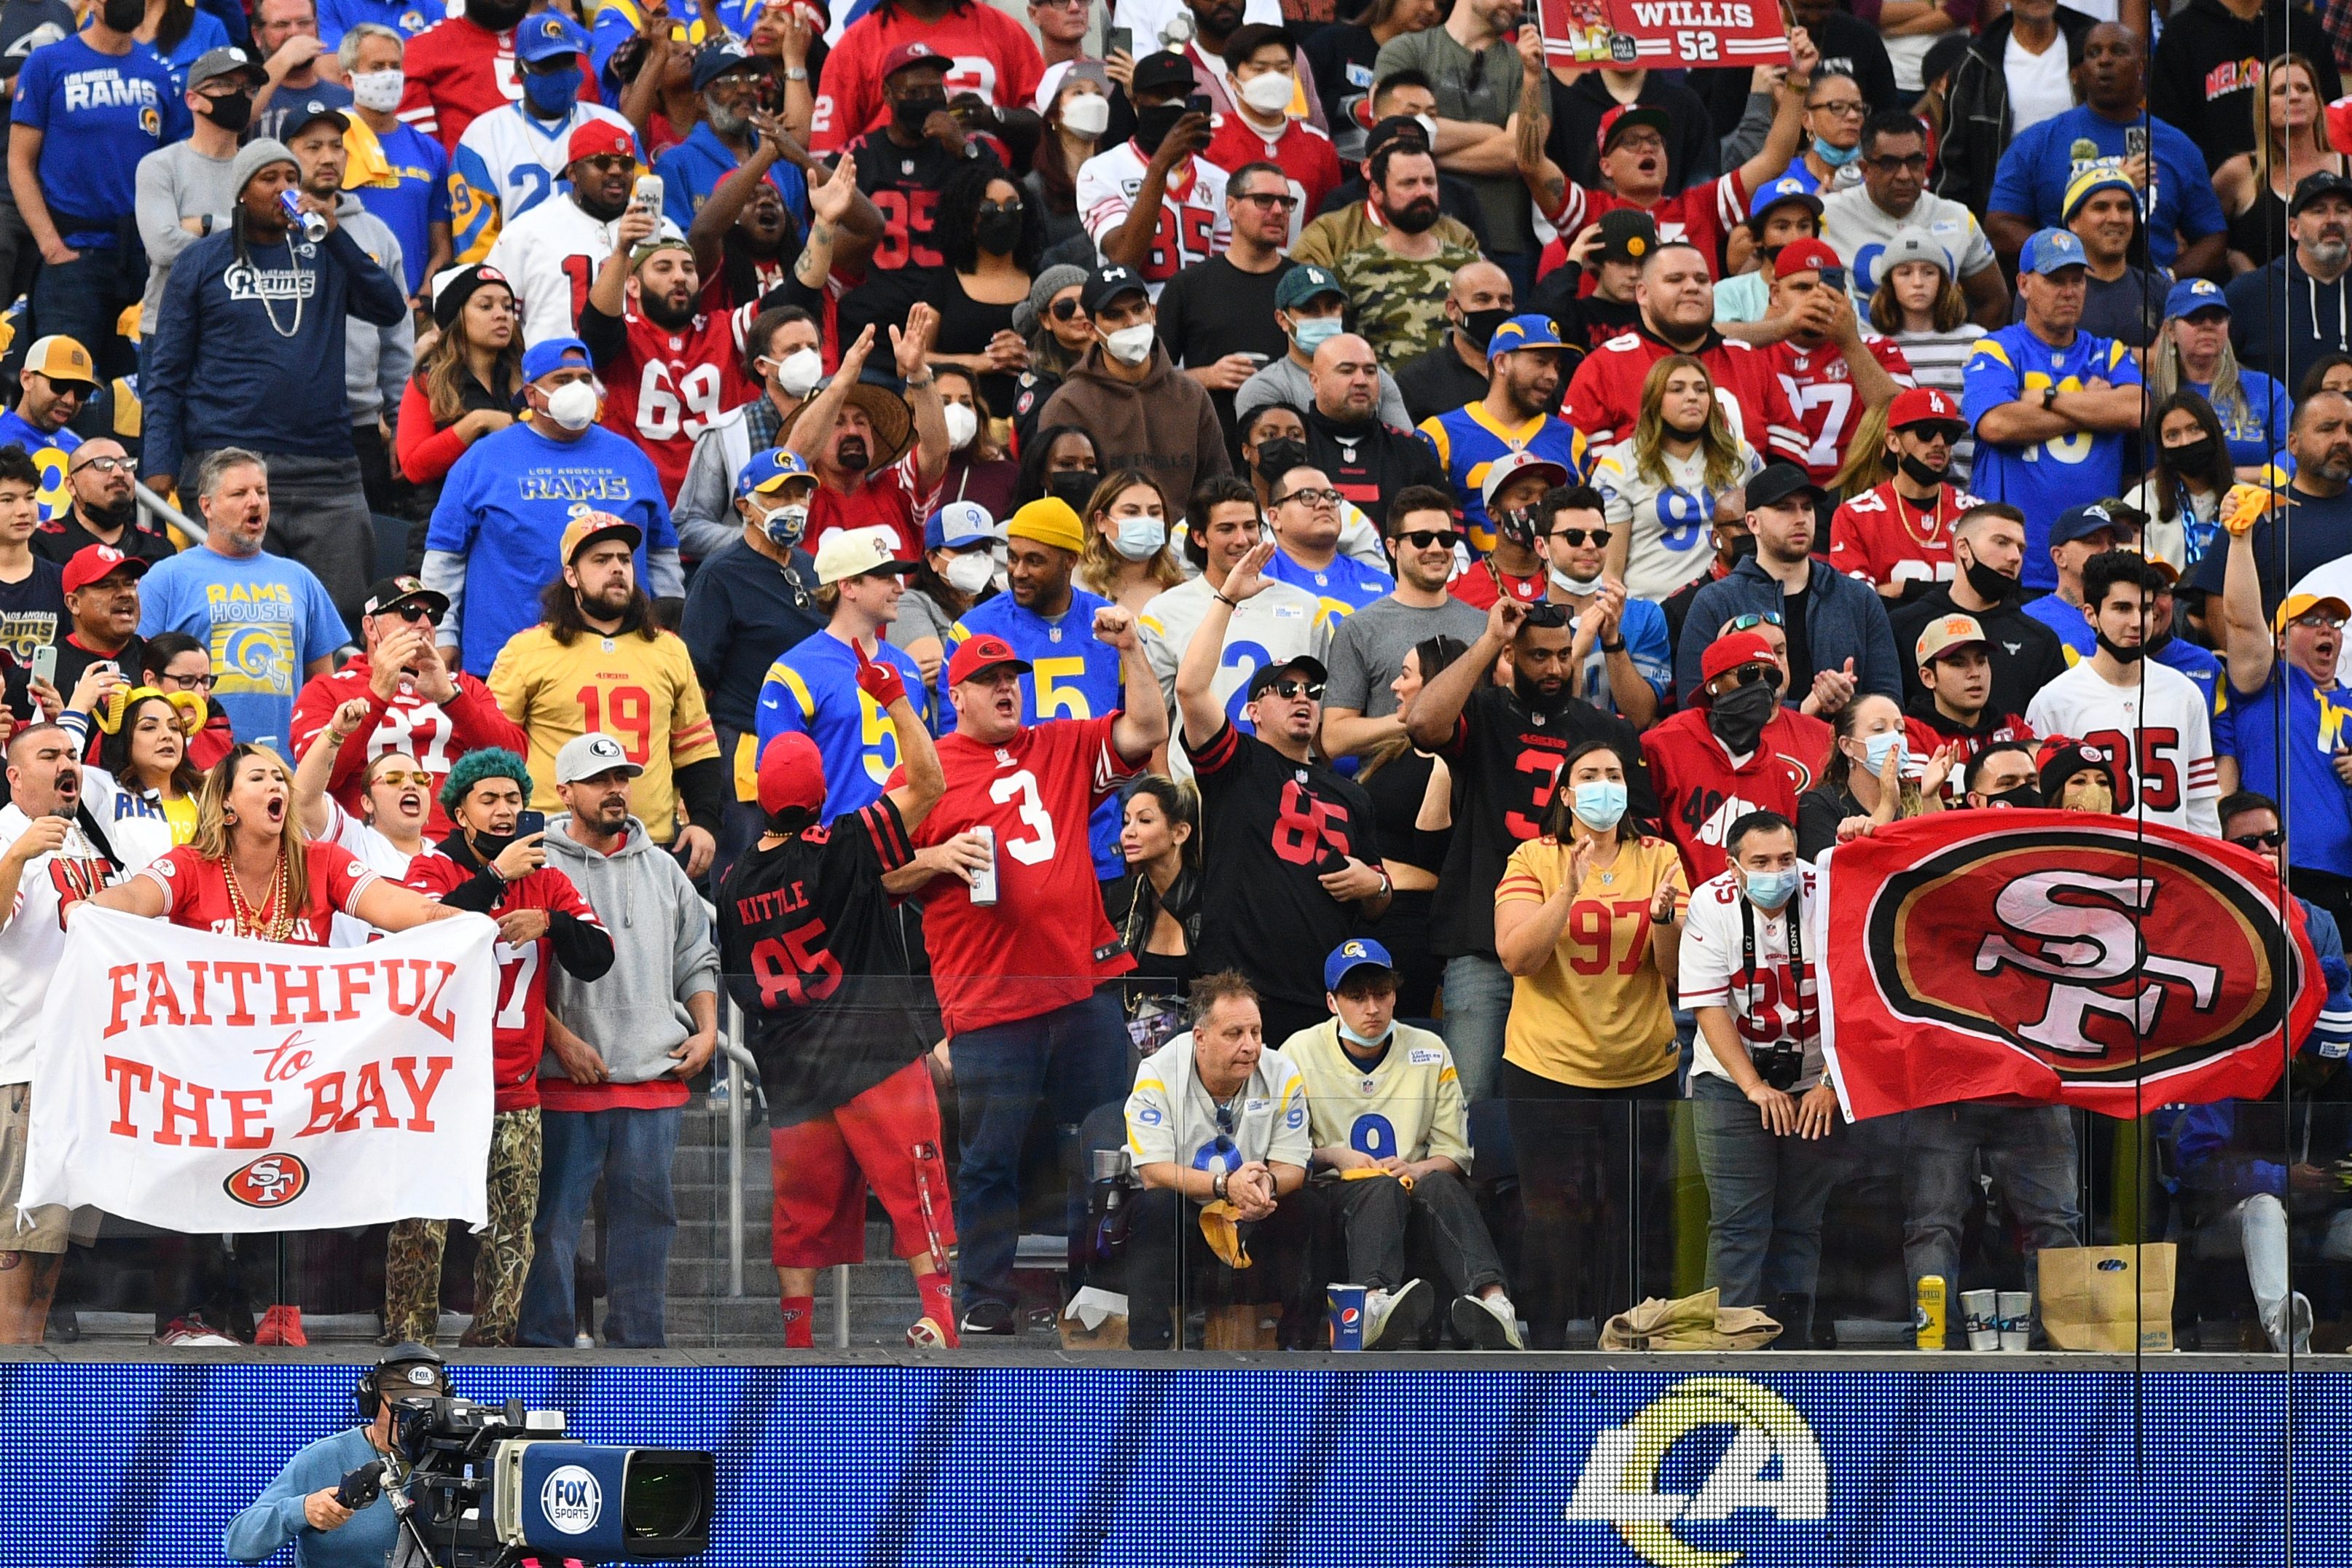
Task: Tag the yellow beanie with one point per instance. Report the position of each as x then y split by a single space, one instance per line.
1048 520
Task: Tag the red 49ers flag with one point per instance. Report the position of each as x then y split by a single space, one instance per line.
1659 35
2058 958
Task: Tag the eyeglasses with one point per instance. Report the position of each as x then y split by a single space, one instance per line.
1065 309
1269 200
1916 163
200 682
1312 497
1574 536
1312 691
1844 107
1423 538
106 466
1751 621
2269 840
401 778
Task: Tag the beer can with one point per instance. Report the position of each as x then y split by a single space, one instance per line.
1347 1303
1981 1312
1928 1320
984 881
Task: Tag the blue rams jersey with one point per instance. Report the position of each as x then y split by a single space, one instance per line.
812 687
1340 589
2318 812
51 454
1075 677
1468 440
2044 477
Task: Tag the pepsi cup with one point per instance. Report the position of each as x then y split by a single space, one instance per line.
1347 1303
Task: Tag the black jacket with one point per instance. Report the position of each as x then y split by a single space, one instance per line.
1369 462
1976 121
2203 78
2026 654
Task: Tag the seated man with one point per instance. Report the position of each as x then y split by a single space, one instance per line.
1391 1141
1217 1125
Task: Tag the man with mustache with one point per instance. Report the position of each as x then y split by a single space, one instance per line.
734 87
550 253
1398 282
2289 313
515 157
854 435
463 67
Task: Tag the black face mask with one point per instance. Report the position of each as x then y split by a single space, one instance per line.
1518 526
1739 716
999 229
121 514
1153 124
488 847
1918 472
231 113
1479 326
911 112
1743 547
1415 217
2191 457
1074 488
496 16
1278 457
2024 797
123 15
1989 584
2120 654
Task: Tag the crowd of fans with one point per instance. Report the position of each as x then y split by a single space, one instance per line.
1326 581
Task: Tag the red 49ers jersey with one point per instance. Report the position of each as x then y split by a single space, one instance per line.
1604 396
197 889
1820 390
1305 154
1879 537
1701 795
1192 222
667 386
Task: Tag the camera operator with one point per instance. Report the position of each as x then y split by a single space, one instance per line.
301 1504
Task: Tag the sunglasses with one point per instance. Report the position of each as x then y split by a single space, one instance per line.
1423 538
1751 621
1751 674
2319 622
1312 691
1916 163
413 611
1269 200
1065 309
1600 536
401 778
2269 840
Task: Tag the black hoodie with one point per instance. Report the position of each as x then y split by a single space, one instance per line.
2281 318
1977 128
2203 78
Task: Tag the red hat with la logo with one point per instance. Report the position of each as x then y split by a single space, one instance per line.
1923 406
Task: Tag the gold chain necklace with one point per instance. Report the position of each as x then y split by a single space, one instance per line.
280 924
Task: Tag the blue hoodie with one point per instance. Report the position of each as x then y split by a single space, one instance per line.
249 347
1844 618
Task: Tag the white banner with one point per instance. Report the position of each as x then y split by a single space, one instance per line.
250 1086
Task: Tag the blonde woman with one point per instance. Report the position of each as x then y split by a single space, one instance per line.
1129 557
1666 483
1919 304
2192 353
2290 142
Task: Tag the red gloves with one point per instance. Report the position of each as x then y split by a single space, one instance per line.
877 678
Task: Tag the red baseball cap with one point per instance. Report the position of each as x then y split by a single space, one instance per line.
1922 406
917 53
1626 116
792 774
1803 256
92 561
983 653
1726 654
599 139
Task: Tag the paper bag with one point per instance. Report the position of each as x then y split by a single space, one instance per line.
2115 1298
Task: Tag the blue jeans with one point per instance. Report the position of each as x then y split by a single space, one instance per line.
1074 1058
631 1150
1764 1196
2029 1149
1477 1007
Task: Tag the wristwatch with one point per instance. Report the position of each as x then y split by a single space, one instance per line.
1617 647
2049 397
796 73
1217 1187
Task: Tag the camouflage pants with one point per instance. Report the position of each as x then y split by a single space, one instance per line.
412 1273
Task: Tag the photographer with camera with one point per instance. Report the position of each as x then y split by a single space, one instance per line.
329 1499
1765 1116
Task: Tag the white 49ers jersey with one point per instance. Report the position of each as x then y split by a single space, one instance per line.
2157 733
1193 223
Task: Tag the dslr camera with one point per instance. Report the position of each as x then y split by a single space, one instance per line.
486 1486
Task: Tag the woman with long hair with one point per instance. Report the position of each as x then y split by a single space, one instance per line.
2290 142
1058 461
1588 923
2183 495
990 234
957 570
978 468
1868 464
1160 922
178 34
1412 792
2328 372
1863 785
469 381
2192 353
1075 123
251 871
1129 556
1664 483
141 790
1919 304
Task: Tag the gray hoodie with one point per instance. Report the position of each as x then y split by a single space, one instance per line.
377 360
662 954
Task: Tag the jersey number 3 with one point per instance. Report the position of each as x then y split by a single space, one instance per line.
1037 846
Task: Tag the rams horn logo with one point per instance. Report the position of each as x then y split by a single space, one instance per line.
1352 950
1622 1481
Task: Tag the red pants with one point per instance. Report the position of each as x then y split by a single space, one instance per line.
820 1168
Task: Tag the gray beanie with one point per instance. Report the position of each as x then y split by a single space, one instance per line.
254 156
1050 282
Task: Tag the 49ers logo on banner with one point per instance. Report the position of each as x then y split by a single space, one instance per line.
2056 957
1662 33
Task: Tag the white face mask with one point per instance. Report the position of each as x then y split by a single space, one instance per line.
962 426
1270 92
573 404
1140 538
970 572
1132 345
1087 113
799 371
1428 126
378 91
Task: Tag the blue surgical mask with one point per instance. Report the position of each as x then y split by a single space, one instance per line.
551 94
1353 1038
1874 749
1313 332
1771 889
1835 157
1140 538
1600 802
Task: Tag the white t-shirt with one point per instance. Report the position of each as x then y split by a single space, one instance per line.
2159 733
2038 84
371 849
551 255
1765 1000
33 939
1172 1120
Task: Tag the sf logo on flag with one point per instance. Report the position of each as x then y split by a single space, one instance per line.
2086 943
1624 1481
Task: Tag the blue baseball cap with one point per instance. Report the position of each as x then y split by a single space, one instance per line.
553 354
958 524
1535 331
2196 295
544 35
1355 953
768 471
1787 188
2049 249
2077 522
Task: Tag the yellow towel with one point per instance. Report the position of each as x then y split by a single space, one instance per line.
366 166
1221 1225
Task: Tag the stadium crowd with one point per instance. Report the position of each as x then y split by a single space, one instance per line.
1296 594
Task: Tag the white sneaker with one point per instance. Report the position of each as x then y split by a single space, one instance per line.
2298 1312
1489 1323
1406 1311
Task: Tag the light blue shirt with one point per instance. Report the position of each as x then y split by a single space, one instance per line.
275 1517
263 618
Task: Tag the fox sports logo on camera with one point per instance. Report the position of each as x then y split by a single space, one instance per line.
572 1500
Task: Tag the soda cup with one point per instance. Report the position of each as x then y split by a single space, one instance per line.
2016 1319
1930 1319
1347 1303
1980 1311
984 881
